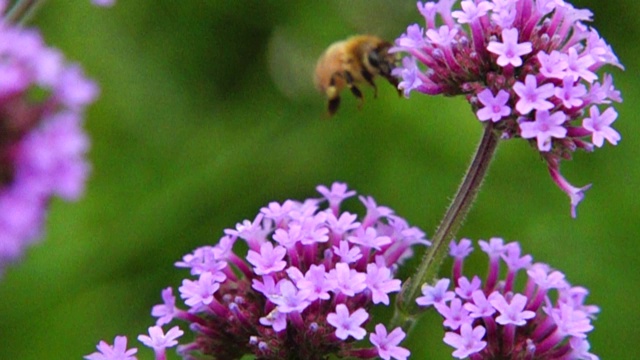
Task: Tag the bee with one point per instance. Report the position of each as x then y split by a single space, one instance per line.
350 62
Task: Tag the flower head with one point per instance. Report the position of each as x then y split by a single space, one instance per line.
529 66
304 289
547 319
42 144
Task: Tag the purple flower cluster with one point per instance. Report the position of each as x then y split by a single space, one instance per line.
42 144
528 66
547 320
305 287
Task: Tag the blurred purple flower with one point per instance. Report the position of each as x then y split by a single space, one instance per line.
104 3
42 143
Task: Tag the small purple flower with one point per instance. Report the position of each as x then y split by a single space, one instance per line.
116 352
290 299
548 319
511 313
466 288
159 341
267 286
410 76
545 127
292 296
480 306
316 283
467 342
576 194
570 93
454 314
495 108
387 344
432 295
534 55
381 282
509 51
344 223
580 349
347 254
374 212
443 36
553 65
471 12
347 324
599 125
250 231
345 280
578 66
460 250
165 312
414 37
199 292
268 260
369 239
335 195
531 96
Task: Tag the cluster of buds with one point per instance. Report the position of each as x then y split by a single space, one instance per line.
527 66
546 320
42 144
305 288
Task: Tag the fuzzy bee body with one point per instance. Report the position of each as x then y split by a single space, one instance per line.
350 62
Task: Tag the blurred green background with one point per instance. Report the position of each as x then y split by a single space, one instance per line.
208 112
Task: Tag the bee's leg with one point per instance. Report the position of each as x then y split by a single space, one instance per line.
354 89
369 78
393 81
333 105
334 97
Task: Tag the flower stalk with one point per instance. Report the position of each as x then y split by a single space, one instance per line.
454 217
22 11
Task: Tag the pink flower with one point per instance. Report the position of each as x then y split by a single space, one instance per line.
599 126
545 127
387 344
509 51
348 324
116 352
495 106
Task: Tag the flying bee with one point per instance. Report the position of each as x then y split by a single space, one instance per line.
350 62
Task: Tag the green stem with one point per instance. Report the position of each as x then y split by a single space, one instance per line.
22 11
406 308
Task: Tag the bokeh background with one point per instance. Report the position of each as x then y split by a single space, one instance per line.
208 112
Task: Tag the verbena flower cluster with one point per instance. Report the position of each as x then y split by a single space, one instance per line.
528 66
304 290
42 144
492 319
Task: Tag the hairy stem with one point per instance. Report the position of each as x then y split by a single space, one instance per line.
406 308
